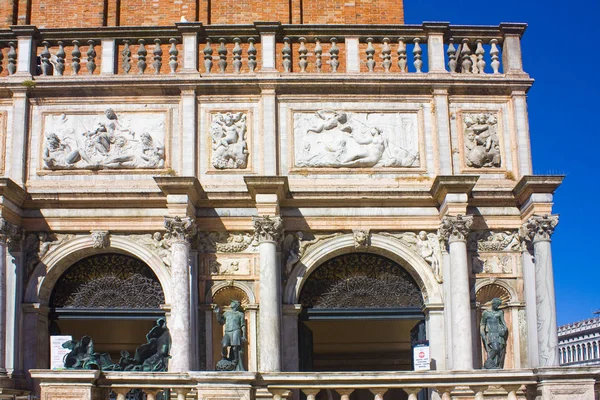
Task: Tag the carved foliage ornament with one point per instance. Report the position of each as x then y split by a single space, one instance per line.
228 134
181 229
483 241
223 242
539 227
455 228
482 146
267 229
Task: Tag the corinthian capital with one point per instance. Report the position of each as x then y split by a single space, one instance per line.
180 229
539 227
9 233
455 228
267 229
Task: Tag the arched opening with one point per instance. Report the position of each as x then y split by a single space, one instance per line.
361 311
484 297
113 298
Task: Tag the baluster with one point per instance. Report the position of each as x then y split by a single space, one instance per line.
121 393
208 56
318 55
417 55
237 56
173 53
512 391
379 393
370 53
286 55
444 392
451 56
152 393
479 51
141 55
251 55
465 56
412 392
344 393
479 391
157 64
60 58
402 55
12 58
311 393
303 55
334 53
386 54
494 54
222 51
76 55
126 57
45 59
91 57
182 393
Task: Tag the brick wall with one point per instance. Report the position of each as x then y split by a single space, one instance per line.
86 13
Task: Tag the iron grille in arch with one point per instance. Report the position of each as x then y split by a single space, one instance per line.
360 280
108 281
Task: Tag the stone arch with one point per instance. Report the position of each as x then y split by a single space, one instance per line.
58 260
386 246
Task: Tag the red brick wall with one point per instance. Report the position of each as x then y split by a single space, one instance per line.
86 13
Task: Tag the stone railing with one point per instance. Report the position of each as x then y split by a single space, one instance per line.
502 384
264 47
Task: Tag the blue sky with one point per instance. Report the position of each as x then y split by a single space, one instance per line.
561 51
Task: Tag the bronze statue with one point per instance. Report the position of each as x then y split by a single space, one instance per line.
233 338
494 333
82 355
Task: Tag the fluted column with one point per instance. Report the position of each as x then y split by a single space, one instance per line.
181 230
539 229
455 230
267 231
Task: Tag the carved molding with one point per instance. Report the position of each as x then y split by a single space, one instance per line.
180 229
267 228
100 239
539 227
455 228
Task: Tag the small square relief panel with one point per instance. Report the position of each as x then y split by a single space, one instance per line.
104 140
333 139
229 137
224 266
480 141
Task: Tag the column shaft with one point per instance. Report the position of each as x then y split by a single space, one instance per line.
545 304
180 308
2 307
462 351
530 309
269 321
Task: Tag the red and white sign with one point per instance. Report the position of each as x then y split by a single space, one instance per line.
421 358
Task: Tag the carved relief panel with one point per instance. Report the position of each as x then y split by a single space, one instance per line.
105 140
229 133
495 253
356 139
227 255
480 140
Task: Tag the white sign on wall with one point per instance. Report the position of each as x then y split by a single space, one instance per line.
57 352
421 358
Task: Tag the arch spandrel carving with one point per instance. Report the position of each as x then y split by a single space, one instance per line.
56 262
386 246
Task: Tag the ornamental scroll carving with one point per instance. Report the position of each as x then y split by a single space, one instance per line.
482 146
228 134
335 138
539 227
109 141
455 227
267 229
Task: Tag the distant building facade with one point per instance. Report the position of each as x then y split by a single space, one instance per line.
579 342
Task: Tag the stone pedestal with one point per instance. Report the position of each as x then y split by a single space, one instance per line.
454 230
69 385
181 230
268 231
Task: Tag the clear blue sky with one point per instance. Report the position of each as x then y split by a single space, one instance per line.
561 51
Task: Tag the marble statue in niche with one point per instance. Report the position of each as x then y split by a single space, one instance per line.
482 146
86 141
228 133
334 138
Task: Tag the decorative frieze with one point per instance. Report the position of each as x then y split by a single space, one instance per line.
494 263
483 241
229 142
267 228
180 229
224 242
455 227
539 227
109 141
336 138
481 140
224 265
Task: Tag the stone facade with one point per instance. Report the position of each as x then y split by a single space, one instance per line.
324 177
579 342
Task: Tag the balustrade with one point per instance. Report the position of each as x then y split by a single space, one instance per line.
238 49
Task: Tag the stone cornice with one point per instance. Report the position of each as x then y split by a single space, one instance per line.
267 185
445 184
181 185
531 184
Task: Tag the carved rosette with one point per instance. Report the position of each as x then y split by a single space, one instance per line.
100 239
455 228
539 227
267 229
180 229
